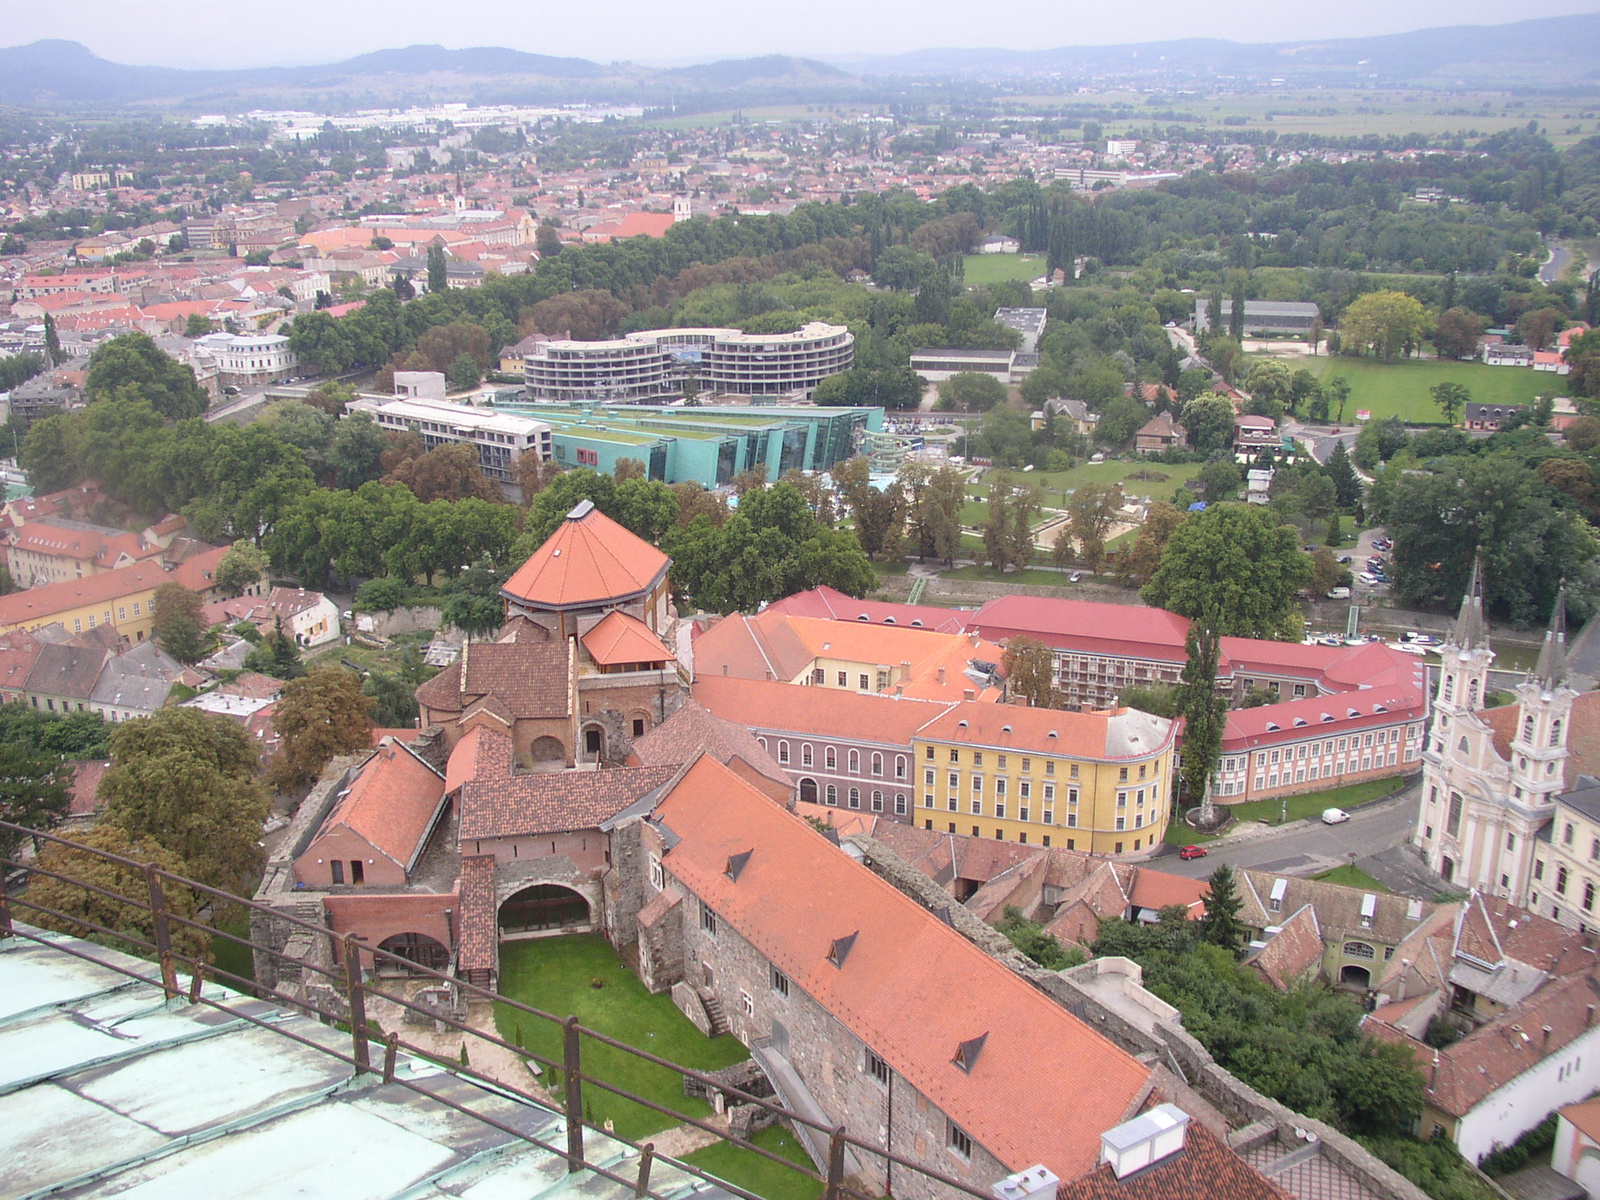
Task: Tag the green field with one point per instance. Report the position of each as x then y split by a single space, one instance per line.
1350 875
1401 389
760 1175
1299 808
998 268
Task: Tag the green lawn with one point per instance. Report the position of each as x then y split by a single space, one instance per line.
990 575
1351 875
760 1175
997 268
556 975
1311 804
1136 477
231 956
1401 389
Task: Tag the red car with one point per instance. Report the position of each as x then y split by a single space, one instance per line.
1192 852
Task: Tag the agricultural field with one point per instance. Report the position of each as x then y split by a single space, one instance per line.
1400 389
1000 268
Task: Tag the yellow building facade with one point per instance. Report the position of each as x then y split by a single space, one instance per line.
1098 782
123 598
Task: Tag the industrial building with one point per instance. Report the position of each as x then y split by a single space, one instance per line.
1260 316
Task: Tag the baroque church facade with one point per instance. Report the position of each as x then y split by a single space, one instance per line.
1491 776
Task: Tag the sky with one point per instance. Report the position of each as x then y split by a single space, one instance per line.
203 33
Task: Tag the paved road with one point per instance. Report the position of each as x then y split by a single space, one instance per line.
1307 847
1560 256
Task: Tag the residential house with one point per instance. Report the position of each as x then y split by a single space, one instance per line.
137 682
378 825
1576 1153
63 677
1252 434
1504 354
1160 433
310 618
121 598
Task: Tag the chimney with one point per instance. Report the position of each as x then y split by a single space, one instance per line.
1589 1015
724 669
1037 1180
968 694
941 676
1148 1138
1544 1037
769 675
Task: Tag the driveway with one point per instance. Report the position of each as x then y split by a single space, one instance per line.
1560 256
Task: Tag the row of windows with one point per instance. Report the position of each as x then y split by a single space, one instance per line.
830 759
1022 837
830 796
105 617
1002 763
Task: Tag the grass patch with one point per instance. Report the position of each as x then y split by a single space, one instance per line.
1351 875
990 575
1136 477
1311 804
1401 389
999 268
231 956
555 974
757 1174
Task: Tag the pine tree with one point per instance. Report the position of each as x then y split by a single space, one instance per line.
52 342
1221 925
1204 713
1346 486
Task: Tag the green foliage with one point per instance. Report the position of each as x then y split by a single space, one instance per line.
79 735
1435 1166
970 392
134 366
394 700
276 655
177 622
241 568
1232 563
1151 698
1221 925
1030 938
320 716
1534 1145
34 791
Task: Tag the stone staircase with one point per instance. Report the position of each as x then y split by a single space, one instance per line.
715 1013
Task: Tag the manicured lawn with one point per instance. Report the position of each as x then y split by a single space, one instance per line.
1351 876
1401 389
1137 478
990 575
556 975
757 1174
1311 804
997 268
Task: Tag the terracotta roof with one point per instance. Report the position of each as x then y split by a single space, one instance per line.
588 560
391 803
821 712
496 805
1584 1117
1156 890
39 605
86 777
1583 735
620 638
1127 629
1339 908
692 731
912 988
1205 1169
480 935
834 605
1497 1052
18 651
1122 733
528 678
1293 952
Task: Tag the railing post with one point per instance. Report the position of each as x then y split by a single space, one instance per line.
835 1163
356 992
390 1049
197 981
572 1068
162 930
646 1158
5 904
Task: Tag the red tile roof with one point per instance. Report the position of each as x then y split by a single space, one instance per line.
619 639
1293 952
1205 1169
1125 629
834 605
528 678
41 605
1117 734
392 803
588 560
855 716
692 731
1045 1086
480 935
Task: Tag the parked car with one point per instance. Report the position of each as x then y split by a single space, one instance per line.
1345 560
1377 560
1075 577
1383 543
1189 852
1367 577
1334 816
1339 593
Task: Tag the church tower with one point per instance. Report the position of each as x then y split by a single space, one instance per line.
1464 663
1539 748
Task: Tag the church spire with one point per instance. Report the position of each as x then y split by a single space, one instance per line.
1551 669
1470 631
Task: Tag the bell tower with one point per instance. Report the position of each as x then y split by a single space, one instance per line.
1539 748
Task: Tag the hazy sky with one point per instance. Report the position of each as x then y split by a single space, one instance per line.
288 32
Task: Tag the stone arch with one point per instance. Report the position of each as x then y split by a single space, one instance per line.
808 790
417 948
547 749
592 742
1351 975
543 908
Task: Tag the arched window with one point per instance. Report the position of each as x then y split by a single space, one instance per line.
783 752
899 766
877 801
1449 688
1555 732
1358 950
855 797
1462 746
1472 694
805 754
833 795
830 758
854 760
877 764
1527 729
763 742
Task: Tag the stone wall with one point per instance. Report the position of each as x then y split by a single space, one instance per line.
416 619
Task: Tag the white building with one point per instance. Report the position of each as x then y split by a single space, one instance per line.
244 359
501 439
1490 777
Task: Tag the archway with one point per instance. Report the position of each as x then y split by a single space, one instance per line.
547 749
594 743
1447 869
416 948
808 791
1354 976
541 908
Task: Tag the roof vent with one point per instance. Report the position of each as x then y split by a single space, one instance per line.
1326 717
840 950
1369 909
1148 1138
580 510
917 621
1378 708
556 553
736 864
967 1053
1351 712
863 617
1005 729
1035 1181
1273 727
1052 733
1300 722
1413 910
961 724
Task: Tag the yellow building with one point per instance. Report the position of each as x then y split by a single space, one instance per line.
1098 781
122 598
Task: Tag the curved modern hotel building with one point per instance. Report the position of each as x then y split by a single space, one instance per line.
651 364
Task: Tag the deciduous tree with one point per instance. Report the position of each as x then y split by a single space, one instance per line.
177 622
1029 668
1234 566
319 717
1384 322
242 567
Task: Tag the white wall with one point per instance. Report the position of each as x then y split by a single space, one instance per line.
1510 1111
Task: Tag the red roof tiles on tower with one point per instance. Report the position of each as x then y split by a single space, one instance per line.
588 560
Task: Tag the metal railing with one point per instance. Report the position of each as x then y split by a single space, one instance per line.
345 978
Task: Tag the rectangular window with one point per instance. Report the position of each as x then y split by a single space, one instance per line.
1022 788
877 1068
864 684
1022 814
977 758
977 785
780 982
954 781
136 608
658 878
977 808
844 679
122 612
999 787
1049 818
338 870
748 1003
999 810
708 920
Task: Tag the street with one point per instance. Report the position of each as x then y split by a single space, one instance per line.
1560 256
1373 833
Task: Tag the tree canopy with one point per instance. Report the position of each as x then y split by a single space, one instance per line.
1233 563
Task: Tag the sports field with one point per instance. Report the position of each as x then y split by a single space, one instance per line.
1401 389
998 268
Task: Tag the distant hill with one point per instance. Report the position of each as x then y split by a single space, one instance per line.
1550 51
63 74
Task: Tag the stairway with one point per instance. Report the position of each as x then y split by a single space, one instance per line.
918 586
715 1013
